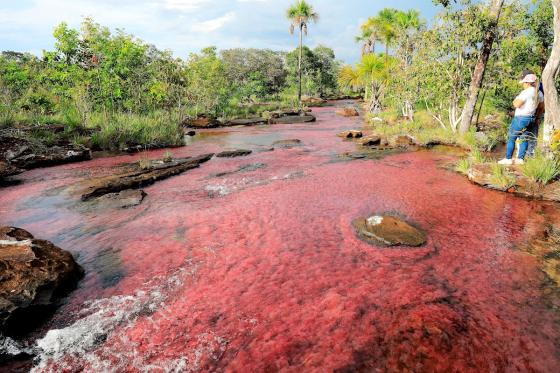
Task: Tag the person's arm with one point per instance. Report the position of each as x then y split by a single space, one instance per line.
518 102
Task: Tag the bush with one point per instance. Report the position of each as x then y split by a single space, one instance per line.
541 169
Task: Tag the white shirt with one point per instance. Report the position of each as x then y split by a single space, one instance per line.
530 105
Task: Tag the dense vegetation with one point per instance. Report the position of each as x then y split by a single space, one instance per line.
421 81
130 92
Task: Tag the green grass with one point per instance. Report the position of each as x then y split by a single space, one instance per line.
119 131
463 166
541 169
477 156
501 178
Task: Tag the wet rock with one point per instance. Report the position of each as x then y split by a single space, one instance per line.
234 153
313 101
286 144
27 153
247 122
294 119
139 178
34 275
348 112
387 230
202 121
352 134
403 141
370 141
7 169
190 133
122 200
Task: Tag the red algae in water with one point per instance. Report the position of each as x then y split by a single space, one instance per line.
262 270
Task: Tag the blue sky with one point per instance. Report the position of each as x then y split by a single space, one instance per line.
185 26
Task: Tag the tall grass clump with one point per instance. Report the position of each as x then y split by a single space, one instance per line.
463 166
541 169
501 178
120 130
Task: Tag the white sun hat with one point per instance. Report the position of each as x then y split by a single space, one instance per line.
530 78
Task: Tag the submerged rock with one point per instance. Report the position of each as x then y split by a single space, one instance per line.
136 179
351 134
34 274
387 230
234 153
348 112
122 200
286 144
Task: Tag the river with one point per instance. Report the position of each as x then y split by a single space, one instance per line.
252 264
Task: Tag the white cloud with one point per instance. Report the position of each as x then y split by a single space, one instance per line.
184 5
213 24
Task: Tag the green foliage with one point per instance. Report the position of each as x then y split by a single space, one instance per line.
541 169
477 156
501 177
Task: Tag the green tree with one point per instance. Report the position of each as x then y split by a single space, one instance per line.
300 14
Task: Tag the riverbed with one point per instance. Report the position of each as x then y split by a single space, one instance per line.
252 264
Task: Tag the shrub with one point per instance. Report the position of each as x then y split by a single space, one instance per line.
477 157
541 169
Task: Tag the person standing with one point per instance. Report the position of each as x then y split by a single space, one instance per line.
529 101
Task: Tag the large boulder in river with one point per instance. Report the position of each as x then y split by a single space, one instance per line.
351 134
34 274
387 230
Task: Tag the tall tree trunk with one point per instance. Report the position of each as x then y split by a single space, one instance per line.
299 63
480 69
550 74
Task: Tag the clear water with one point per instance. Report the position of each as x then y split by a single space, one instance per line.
260 269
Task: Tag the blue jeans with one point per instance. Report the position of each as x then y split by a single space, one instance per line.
518 129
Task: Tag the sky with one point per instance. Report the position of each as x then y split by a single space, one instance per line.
185 26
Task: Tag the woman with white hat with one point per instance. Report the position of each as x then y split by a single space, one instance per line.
526 105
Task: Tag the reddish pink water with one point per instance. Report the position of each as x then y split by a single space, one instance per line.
261 270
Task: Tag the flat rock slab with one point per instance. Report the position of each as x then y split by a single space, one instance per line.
286 144
247 168
234 153
247 122
370 141
352 134
387 230
483 175
122 200
34 274
137 179
294 119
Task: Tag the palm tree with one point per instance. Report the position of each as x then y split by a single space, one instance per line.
368 37
386 23
300 14
372 75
